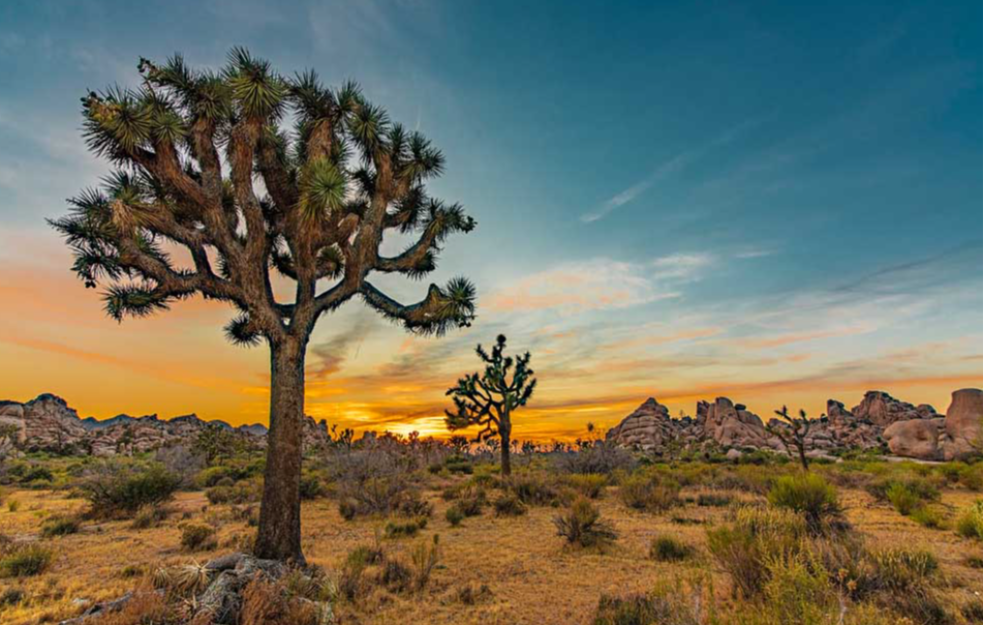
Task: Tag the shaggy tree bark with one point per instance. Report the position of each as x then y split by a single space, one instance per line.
321 221
489 400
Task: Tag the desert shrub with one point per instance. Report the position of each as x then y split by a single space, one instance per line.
972 611
713 500
149 516
425 557
269 603
473 594
971 476
904 578
969 524
919 486
144 608
382 496
11 596
25 560
403 529
756 536
472 500
590 485
13 505
509 504
903 497
395 575
183 581
597 458
116 490
36 473
183 461
534 489
459 465
974 561
454 515
249 491
198 537
60 526
669 549
931 517
649 493
581 525
312 487
667 604
351 579
810 495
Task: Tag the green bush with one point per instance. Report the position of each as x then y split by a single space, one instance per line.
197 537
756 537
25 560
931 517
60 526
903 497
713 500
581 525
590 485
236 493
810 495
149 516
116 490
404 529
970 522
668 549
454 515
509 505
649 493
922 487
534 489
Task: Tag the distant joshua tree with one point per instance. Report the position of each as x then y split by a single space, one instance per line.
205 167
488 400
794 436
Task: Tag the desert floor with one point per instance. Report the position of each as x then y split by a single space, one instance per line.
532 577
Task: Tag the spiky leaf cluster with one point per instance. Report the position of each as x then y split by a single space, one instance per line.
207 163
488 399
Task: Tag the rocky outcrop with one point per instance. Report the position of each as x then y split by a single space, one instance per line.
731 425
648 428
882 410
878 422
47 423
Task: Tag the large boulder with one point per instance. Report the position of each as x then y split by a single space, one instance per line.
915 438
964 424
881 409
649 428
731 425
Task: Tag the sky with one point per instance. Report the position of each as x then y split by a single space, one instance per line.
779 203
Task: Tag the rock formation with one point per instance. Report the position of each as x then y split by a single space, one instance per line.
964 424
878 421
47 423
648 428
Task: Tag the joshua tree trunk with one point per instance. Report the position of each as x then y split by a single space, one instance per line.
279 521
506 432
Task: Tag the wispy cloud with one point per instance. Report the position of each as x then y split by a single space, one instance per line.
600 284
664 171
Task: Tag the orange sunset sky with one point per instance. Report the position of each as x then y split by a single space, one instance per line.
779 206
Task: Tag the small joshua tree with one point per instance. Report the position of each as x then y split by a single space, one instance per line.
488 400
206 166
794 435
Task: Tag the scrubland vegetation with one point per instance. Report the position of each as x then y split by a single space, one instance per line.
411 530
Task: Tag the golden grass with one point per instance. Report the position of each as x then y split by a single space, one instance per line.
533 578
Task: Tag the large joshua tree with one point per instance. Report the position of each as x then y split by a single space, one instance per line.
488 400
204 166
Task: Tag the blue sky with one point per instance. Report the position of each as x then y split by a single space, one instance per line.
686 186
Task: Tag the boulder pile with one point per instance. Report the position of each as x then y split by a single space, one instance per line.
879 421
